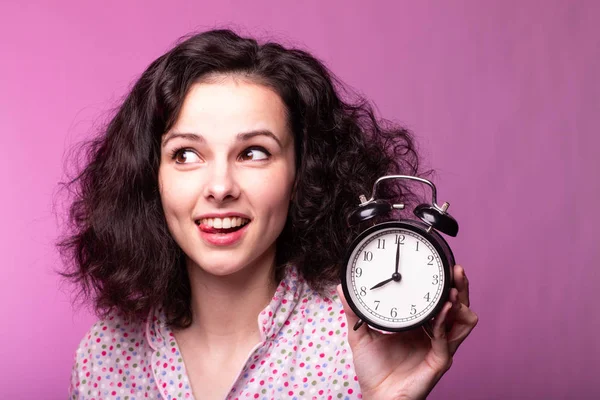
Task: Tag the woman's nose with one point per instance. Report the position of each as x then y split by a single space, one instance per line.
221 183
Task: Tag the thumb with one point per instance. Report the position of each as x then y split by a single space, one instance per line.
352 319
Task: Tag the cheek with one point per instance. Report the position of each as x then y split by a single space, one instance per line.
271 192
177 194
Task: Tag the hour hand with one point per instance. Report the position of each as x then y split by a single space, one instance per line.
380 284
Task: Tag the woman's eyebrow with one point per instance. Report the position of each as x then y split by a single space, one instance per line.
261 132
195 137
244 136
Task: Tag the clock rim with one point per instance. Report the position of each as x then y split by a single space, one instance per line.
440 245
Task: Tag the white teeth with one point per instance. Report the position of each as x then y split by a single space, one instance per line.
224 223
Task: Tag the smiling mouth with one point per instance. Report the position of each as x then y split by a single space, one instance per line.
222 225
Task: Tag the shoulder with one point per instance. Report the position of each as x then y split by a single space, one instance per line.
324 310
315 313
109 348
110 336
325 299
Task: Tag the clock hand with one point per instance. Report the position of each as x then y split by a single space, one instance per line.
380 284
397 256
396 275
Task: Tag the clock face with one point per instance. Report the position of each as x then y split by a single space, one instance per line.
395 278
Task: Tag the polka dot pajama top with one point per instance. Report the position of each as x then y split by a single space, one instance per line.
303 354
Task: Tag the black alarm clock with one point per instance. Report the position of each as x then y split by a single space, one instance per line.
397 274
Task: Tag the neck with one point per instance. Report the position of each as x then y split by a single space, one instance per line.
225 308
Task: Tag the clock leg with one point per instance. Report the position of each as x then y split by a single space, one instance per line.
358 324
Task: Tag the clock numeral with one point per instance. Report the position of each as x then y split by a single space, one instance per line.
430 258
363 291
377 304
358 272
381 243
394 312
368 256
436 280
413 310
400 239
426 297
418 245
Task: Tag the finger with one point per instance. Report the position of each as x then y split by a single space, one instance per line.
465 321
440 352
361 333
452 298
438 324
462 285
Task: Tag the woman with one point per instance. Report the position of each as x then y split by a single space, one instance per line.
209 225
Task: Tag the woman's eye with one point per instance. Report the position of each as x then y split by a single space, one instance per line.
185 156
254 154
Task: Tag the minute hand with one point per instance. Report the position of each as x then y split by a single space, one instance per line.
397 256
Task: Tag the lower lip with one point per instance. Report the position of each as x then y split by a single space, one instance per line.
223 239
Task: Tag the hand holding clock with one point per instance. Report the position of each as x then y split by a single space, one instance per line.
407 365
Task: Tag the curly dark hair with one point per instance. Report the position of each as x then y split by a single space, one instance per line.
118 248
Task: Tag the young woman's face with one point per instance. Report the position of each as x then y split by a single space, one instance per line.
226 174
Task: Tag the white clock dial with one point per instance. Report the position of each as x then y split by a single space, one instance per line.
399 300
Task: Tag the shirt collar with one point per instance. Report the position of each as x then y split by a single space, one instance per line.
277 313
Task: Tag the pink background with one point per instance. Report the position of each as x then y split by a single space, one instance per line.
504 99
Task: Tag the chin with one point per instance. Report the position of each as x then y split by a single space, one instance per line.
221 270
222 266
